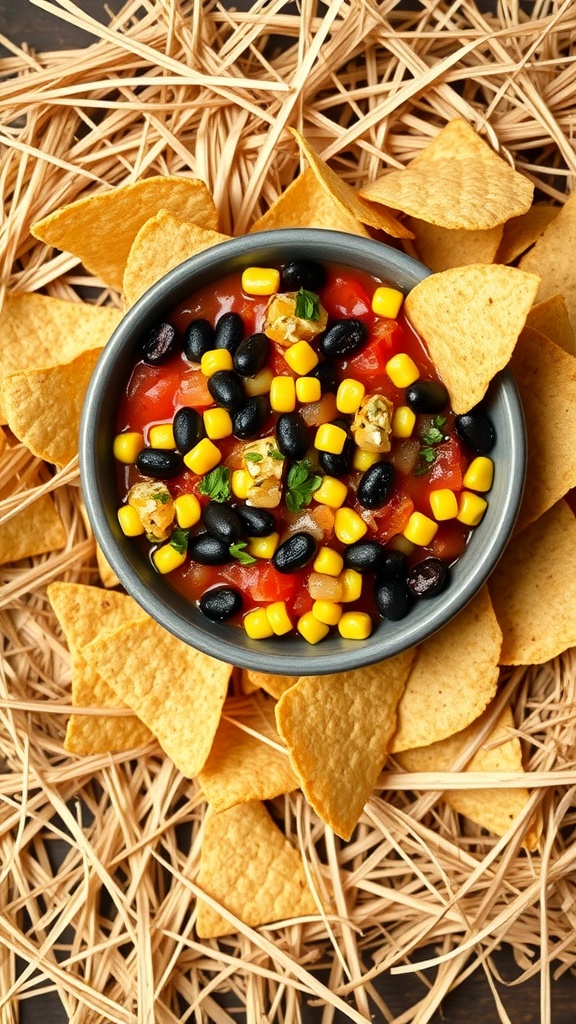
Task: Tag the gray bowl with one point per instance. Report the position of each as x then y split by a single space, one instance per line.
289 655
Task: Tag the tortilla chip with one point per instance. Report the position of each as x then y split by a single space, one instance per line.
521 232
39 331
454 677
100 229
492 809
82 612
107 575
242 766
546 379
249 866
275 685
441 248
32 531
346 198
550 317
534 589
176 691
470 319
161 244
306 204
337 729
43 407
457 181
552 258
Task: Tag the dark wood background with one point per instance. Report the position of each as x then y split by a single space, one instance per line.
471 1003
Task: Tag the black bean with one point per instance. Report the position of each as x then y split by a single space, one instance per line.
251 355
375 485
257 522
220 603
209 550
343 338
426 396
303 274
292 435
229 331
249 420
188 427
338 465
222 521
159 463
394 564
427 577
198 339
295 552
476 429
393 599
327 373
365 556
227 389
159 345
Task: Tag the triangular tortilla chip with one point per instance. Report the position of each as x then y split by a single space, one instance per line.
100 229
441 248
454 677
275 685
307 204
521 232
457 181
470 319
337 729
249 866
32 530
552 258
550 317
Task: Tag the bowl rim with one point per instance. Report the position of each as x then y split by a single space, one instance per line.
289 655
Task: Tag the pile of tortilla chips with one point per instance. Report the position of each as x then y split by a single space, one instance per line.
247 737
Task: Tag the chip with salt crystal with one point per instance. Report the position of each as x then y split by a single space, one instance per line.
307 204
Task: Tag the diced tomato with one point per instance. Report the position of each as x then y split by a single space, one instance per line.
393 517
346 297
193 391
369 363
261 582
149 396
445 472
278 363
302 602
450 541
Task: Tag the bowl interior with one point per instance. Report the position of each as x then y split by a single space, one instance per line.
289 655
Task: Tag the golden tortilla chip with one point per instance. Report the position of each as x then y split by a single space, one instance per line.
306 204
441 248
252 870
534 589
161 244
242 766
457 181
546 379
43 407
83 611
32 531
454 677
550 317
346 198
492 809
275 685
552 258
176 691
107 575
521 232
39 331
337 729
470 319
100 229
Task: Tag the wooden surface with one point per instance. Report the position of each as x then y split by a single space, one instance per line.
471 1003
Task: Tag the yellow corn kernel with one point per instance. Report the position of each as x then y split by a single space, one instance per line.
480 474
260 280
217 423
355 625
241 483
329 562
301 357
362 460
387 302
308 389
351 581
403 421
283 394
332 492
349 395
311 628
328 612
348 525
444 504
402 370
421 529
330 438
259 384
203 456
130 522
256 625
263 547
216 359
277 615
128 446
167 558
162 436
188 510
471 508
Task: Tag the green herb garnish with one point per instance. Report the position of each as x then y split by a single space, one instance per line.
216 484
307 305
238 551
253 457
301 483
275 454
179 540
162 497
430 438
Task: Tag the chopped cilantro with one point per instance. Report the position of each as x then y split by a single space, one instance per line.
275 454
179 540
162 497
216 484
238 551
430 438
301 483
253 457
307 305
